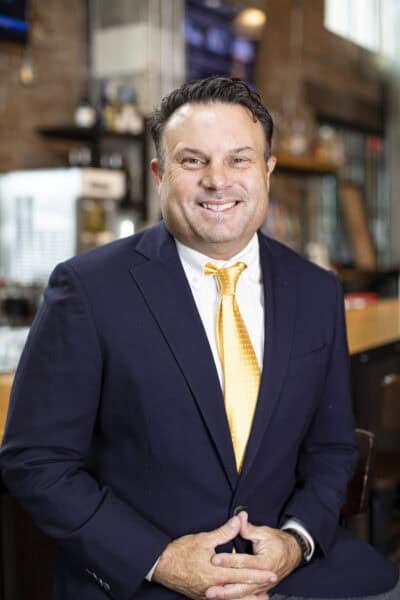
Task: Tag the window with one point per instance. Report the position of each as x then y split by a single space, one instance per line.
357 20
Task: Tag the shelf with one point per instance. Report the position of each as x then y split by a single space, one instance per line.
305 164
85 134
96 138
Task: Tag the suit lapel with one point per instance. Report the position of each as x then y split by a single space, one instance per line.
158 272
280 303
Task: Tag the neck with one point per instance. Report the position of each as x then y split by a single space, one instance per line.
216 252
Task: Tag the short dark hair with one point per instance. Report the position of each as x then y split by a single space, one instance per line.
215 88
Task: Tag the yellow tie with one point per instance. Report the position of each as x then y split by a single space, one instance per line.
238 359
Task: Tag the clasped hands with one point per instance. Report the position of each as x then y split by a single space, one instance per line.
190 566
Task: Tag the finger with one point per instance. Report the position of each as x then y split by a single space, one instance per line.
227 532
258 577
244 517
244 525
247 530
236 591
242 561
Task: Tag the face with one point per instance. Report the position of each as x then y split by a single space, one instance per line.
215 183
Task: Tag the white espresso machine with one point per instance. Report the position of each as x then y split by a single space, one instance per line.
49 215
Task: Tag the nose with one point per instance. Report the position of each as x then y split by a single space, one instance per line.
215 177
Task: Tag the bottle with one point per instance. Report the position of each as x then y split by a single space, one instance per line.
85 112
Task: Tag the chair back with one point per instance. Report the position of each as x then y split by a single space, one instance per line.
26 554
390 415
359 487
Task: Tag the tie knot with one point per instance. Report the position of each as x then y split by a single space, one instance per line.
227 278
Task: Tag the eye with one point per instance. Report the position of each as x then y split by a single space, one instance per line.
192 162
239 161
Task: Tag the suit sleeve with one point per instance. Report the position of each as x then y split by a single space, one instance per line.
51 421
328 454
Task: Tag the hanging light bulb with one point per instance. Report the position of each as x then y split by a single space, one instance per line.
250 22
26 71
253 17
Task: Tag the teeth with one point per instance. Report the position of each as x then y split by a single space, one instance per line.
219 207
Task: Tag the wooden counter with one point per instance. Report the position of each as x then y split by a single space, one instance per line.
6 380
373 326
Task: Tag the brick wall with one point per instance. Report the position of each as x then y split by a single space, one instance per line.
320 56
58 50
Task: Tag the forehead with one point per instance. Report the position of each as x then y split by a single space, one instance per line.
210 123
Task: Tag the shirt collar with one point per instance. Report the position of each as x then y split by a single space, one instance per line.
193 262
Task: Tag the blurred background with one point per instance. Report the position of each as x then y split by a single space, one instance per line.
78 80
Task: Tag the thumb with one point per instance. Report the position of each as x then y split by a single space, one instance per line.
247 530
226 533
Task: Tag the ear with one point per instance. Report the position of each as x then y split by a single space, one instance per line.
271 163
156 172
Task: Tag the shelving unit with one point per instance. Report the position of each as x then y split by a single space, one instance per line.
305 164
303 203
132 147
86 134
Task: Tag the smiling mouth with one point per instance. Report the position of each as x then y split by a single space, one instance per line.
219 207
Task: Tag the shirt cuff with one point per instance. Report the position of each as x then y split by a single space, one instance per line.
150 574
294 524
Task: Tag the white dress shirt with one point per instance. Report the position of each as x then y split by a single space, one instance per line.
250 299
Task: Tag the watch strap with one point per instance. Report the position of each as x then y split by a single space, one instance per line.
302 545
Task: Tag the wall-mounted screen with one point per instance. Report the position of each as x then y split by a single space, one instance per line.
212 45
13 20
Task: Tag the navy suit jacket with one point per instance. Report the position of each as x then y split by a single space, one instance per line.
117 439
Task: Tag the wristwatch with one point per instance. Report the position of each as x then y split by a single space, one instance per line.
305 551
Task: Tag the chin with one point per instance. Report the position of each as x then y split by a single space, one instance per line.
221 239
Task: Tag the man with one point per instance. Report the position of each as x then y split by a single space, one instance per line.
184 392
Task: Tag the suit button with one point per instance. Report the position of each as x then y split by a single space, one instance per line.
238 509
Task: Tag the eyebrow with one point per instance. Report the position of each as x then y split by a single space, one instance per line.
243 149
198 151
191 150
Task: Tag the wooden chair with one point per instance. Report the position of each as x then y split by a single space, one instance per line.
386 478
26 555
358 490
